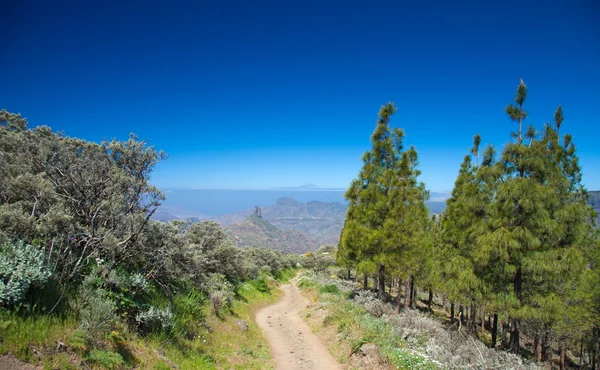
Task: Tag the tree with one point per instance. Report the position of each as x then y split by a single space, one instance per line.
535 225
386 202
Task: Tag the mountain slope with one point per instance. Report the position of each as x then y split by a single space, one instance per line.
255 231
321 221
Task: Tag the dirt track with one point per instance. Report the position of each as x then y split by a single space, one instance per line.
293 344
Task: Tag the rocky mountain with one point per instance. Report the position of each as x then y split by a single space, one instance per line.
321 221
594 201
255 231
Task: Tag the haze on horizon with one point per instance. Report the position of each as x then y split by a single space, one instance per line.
274 94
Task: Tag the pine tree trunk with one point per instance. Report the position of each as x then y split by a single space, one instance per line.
382 283
537 349
546 352
581 353
407 292
375 283
398 299
482 323
473 318
515 340
563 356
430 300
452 313
349 275
460 315
365 282
505 329
495 330
413 293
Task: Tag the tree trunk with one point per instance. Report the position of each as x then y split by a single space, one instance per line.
473 318
452 313
563 356
407 292
461 315
375 283
581 353
546 352
495 330
413 293
382 283
505 329
349 275
398 299
430 300
515 339
515 342
482 323
537 349
365 282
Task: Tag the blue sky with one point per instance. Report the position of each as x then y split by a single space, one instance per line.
255 94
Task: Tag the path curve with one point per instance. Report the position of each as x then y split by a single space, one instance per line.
293 344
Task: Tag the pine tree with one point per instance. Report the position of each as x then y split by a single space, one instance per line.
386 203
536 221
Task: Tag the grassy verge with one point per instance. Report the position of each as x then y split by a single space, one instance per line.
346 327
363 332
228 340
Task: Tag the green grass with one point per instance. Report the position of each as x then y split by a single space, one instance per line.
23 335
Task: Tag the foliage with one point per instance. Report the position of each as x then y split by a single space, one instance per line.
155 318
105 359
96 312
21 266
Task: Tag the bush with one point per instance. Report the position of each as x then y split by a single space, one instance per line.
107 360
220 292
96 312
21 267
330 288
154 319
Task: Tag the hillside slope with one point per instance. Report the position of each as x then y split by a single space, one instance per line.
255 231
321 221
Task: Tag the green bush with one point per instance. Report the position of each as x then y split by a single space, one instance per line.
105 359
154 319
220 292
97 313
21 266
331 288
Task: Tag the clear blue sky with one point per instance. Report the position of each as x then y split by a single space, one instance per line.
255 94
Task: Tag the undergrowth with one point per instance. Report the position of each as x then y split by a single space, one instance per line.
408 340
198 339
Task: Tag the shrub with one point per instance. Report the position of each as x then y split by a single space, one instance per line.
155 318
107 360
21 266
220 292
96 312
330 288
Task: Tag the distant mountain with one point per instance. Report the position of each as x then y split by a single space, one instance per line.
255 231
321 221
594 201
164 216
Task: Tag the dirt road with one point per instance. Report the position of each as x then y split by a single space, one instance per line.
293 344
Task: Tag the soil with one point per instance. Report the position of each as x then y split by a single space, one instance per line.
8 362
293 344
